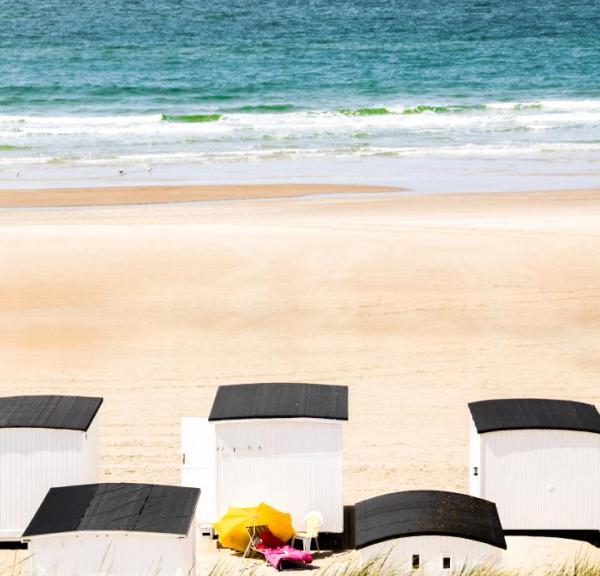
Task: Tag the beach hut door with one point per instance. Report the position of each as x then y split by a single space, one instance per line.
198 466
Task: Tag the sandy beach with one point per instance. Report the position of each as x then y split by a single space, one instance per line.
419 304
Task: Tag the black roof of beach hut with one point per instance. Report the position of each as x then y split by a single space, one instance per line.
427 513
59 412
115 507
534 413
280 400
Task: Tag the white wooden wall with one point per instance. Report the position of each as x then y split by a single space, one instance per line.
542 479
294 465
474 460
91 454
112 553
397 554
33 460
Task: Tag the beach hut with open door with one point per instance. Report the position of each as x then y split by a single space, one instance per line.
114 530
276 443
539 461
45 441
429 532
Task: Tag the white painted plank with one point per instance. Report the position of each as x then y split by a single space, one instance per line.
293 465
32 460
543 479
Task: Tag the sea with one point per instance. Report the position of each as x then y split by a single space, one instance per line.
430 94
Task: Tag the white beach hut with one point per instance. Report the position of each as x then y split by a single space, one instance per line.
277 443
539 461
45 441
429 532
114 530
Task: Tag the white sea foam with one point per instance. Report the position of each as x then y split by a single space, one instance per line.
497 128
466 151
565 105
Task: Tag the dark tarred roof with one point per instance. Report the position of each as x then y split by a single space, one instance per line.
115 507
249 401
526 413
60 412
427 512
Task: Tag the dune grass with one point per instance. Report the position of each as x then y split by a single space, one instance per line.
578 567
380 567
15 565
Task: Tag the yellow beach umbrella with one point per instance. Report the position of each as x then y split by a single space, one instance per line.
232 527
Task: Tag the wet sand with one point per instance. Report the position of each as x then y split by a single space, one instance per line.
131 195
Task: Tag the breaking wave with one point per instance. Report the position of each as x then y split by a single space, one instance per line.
266 130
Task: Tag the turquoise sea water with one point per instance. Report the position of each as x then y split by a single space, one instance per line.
153 82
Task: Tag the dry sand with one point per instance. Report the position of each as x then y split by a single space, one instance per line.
419 304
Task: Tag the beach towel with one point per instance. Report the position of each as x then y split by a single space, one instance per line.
278 556
277 553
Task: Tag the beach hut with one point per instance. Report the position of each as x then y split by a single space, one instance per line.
428 531
45 441
114 530
274 443
539 461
